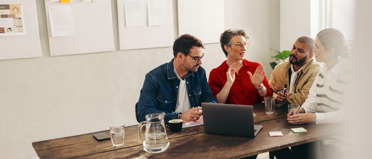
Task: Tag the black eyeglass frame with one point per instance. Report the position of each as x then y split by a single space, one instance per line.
197 58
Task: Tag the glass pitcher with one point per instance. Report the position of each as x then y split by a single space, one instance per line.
156 139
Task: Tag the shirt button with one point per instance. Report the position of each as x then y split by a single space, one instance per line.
187 82
189 94
176 86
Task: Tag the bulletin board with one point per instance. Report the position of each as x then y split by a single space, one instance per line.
205 20
24 43
92 27
145 31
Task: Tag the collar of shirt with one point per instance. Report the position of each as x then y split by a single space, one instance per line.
295 71
172 73
175 71
224 65
333 71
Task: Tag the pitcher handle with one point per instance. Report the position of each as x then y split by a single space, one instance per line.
140 131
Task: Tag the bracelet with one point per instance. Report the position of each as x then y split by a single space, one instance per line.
260 87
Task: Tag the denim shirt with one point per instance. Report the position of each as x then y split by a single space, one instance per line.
160 89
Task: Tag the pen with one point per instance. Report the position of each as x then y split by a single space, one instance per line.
285 88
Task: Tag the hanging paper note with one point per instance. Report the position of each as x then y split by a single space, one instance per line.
65 1
61 20
11 20
156 12
135 13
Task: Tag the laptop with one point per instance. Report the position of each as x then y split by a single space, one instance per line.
229 119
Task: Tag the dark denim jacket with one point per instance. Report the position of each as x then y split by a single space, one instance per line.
160 89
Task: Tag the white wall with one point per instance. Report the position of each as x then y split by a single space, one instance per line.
260 19
295 20
51 97
360 106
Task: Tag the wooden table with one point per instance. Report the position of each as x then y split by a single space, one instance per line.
191 142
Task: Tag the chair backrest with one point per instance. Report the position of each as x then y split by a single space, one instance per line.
136 112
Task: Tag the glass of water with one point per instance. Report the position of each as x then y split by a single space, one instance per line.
117 133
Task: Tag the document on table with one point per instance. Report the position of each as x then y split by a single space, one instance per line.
196 123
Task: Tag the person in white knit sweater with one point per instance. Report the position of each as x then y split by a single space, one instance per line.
325 100
326 97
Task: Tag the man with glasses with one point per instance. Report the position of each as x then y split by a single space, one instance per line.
178 87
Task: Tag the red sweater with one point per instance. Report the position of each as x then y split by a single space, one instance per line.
242 91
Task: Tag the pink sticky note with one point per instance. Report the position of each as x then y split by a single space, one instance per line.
275 133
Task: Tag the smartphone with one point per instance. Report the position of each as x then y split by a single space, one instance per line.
101 136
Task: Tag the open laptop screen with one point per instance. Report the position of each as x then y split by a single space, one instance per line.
229 119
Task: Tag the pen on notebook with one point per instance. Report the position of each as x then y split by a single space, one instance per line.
285 88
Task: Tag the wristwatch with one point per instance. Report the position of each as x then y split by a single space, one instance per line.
261 86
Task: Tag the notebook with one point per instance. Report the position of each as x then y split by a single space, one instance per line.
229 119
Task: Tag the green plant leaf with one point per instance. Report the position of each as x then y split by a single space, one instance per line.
285 54
278 56
273 64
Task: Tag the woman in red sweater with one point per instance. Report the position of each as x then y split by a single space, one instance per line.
237 80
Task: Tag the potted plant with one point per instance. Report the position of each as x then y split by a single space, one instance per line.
279 57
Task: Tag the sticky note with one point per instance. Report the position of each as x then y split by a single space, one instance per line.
299 130
65 1
275 133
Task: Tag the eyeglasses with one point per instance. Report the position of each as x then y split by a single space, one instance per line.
197 58
242 45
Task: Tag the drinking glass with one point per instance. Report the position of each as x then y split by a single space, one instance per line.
117 133
293 109
269 107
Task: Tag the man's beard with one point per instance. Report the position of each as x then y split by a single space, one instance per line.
297 62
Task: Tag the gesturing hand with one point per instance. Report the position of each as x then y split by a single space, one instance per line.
230 74
257 77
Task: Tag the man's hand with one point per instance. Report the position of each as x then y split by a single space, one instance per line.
257 77
192 114
281 97
301 118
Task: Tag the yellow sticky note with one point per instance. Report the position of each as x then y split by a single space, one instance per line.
65 1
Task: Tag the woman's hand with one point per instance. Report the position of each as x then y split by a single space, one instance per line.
301 118
230 74
257 77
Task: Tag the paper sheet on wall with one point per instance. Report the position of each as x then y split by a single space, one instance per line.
135 13
11 20
61 20
156 12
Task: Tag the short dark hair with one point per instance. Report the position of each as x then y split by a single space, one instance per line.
227 35
184 43
307 40
333 38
